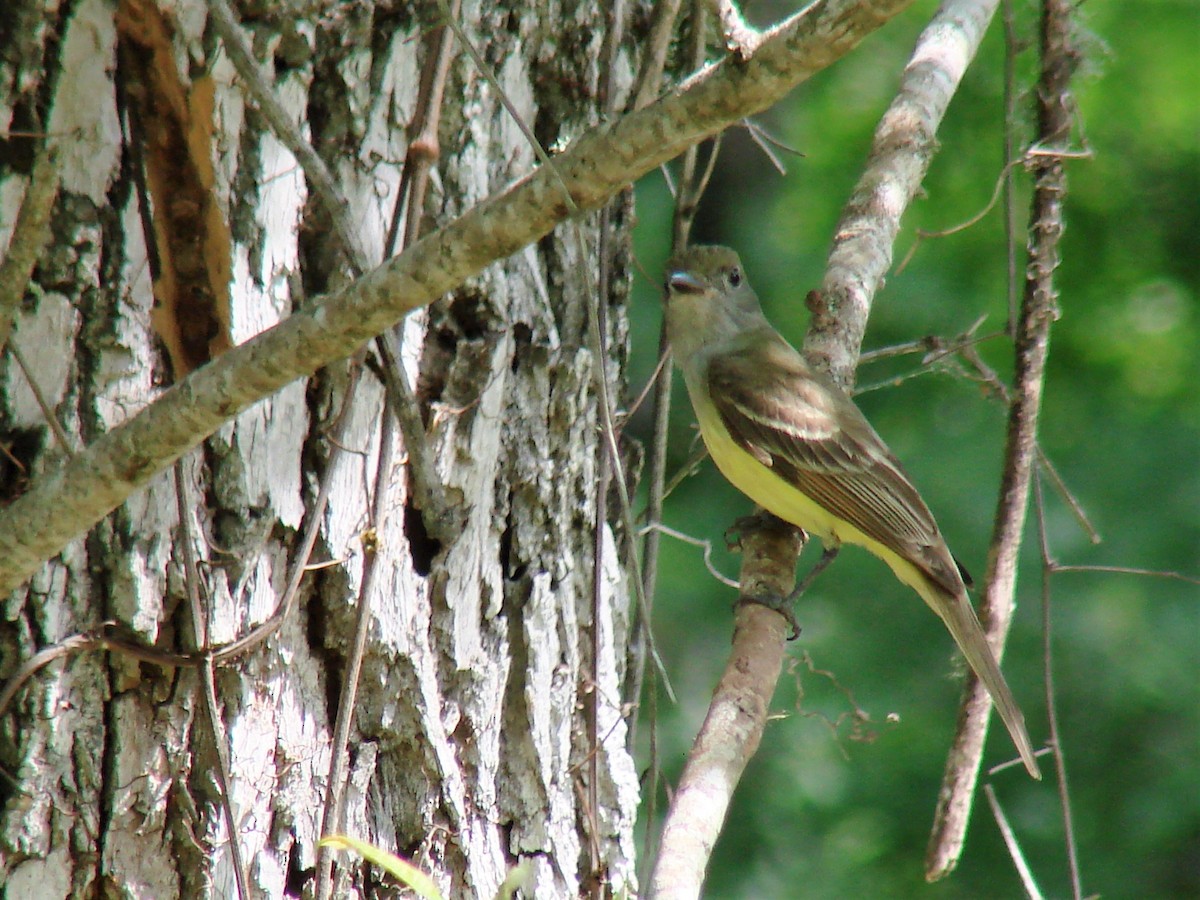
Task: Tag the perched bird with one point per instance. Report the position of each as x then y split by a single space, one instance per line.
794 442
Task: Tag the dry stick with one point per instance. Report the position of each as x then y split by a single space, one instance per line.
60 435
1014 848
1011 225
649 84
607 465
596 166
740 37
427 490
414 181
1055 737
208 683
736 717
313 518
1000 390
655 56
333 815
643 633
1129 570
1038 311
31 233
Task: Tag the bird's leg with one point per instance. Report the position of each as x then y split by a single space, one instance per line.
785 605
827 557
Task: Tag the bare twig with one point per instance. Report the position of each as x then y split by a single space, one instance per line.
313 519
705 545
1129 570
608 465
31 233
654 56
1011 223
423 152
683 215
1038 311
600 377
208 683
1069 498
1014 847
1055 736
65 442
998 190
740 37
333 814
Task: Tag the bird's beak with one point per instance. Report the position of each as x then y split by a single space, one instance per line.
685 283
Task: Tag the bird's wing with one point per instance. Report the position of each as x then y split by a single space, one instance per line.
814 437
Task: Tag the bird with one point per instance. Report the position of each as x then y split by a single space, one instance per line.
794 442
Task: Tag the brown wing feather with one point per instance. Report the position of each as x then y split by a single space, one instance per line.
816 438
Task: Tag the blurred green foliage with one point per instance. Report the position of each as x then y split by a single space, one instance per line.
848 816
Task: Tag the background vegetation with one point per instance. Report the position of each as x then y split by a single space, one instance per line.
821 815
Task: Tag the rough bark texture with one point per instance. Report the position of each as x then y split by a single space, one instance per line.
468 738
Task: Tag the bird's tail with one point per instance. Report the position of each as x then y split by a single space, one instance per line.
959 615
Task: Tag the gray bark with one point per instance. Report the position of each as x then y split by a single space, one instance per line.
469 744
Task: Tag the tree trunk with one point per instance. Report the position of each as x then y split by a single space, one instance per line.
183 225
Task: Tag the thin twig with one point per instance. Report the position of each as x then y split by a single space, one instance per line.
30 235
1129 570
1069 498
1012 282
608 466
208 684
423 152
705 545
740 37
1038 311
1014 847
314 517
683 214
998 189
1055 736
60 435
333 814
654 54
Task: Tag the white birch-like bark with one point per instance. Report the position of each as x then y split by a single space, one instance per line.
469 741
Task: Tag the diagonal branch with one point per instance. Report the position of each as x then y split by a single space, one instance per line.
1039 309
903 146
597 166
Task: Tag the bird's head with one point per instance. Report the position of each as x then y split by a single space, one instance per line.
708 299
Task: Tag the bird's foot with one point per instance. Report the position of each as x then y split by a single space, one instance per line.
744 526
779 603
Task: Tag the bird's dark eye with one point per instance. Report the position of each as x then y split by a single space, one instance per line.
735 277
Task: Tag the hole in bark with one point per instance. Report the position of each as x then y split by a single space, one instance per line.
469 311
514 570
18 450
421 546
522 337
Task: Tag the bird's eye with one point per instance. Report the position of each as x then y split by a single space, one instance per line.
735 277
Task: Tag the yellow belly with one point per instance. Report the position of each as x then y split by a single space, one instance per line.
764 486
